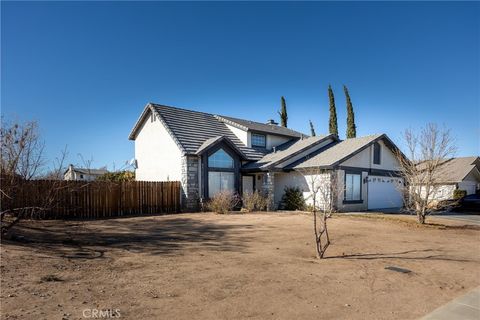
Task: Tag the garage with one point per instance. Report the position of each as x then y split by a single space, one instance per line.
384 192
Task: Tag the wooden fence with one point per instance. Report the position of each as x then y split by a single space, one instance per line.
51 199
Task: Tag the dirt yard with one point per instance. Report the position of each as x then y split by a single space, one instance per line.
256 266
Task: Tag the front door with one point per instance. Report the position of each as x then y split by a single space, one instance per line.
247 184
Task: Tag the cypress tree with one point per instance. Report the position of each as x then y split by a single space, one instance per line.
332 125
312 129
351 127
283 113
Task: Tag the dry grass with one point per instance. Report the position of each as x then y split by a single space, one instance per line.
257 266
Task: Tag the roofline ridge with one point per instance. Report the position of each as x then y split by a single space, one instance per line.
179 108
227 121
304 149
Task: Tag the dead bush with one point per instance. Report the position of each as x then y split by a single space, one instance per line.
50 278
223 202
254 201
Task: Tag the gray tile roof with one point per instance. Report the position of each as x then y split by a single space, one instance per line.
287 150
335 153
90 171
260 127
456 169
212 141
192 128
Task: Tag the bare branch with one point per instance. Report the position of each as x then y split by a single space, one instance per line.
323 188
427 151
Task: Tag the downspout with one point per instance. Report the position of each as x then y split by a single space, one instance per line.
200 184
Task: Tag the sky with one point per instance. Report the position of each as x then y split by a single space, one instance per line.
86 70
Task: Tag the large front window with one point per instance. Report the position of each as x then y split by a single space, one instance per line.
221 174
353 187
220 181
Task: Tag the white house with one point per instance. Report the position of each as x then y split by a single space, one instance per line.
74 173
456 173
208 153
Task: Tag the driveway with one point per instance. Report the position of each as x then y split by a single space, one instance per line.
467 218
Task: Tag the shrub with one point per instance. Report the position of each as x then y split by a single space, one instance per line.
292 199
50 278
118 176
459 194
254 201
223 202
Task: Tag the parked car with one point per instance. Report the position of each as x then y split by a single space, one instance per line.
470 203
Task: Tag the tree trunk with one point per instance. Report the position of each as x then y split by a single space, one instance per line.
421 218
317 238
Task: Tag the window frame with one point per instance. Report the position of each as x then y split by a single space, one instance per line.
259 135
356 201
377 153
220 173
205 168
213 168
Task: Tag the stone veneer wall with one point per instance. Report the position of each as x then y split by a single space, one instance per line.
190 185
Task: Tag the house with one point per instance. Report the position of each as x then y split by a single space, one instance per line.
456 173
74 173
209 153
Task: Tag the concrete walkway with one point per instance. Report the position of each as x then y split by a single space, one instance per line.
472 219
466 307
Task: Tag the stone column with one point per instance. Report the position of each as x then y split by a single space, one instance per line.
190 186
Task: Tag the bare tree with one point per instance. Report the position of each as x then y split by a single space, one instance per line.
21 160
427 149
22 149
323 189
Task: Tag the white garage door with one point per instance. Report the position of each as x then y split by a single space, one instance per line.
384 192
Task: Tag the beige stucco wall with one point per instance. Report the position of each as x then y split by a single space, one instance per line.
73 175
470 183
273 140
246 137
364 159
241 134
158 156
307 183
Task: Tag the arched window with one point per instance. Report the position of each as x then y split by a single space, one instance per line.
221 175
220 159
376 153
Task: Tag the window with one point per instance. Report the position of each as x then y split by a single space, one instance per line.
259 140
353 187
376 153
220 159
219 181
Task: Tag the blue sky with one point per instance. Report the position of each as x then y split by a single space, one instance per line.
85 70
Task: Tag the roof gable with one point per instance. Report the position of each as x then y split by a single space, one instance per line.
210 143
287 151
190 129
337 153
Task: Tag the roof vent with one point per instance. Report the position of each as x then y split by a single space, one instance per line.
272 122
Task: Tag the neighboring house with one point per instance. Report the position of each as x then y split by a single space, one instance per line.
209 153
456 173
74 173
